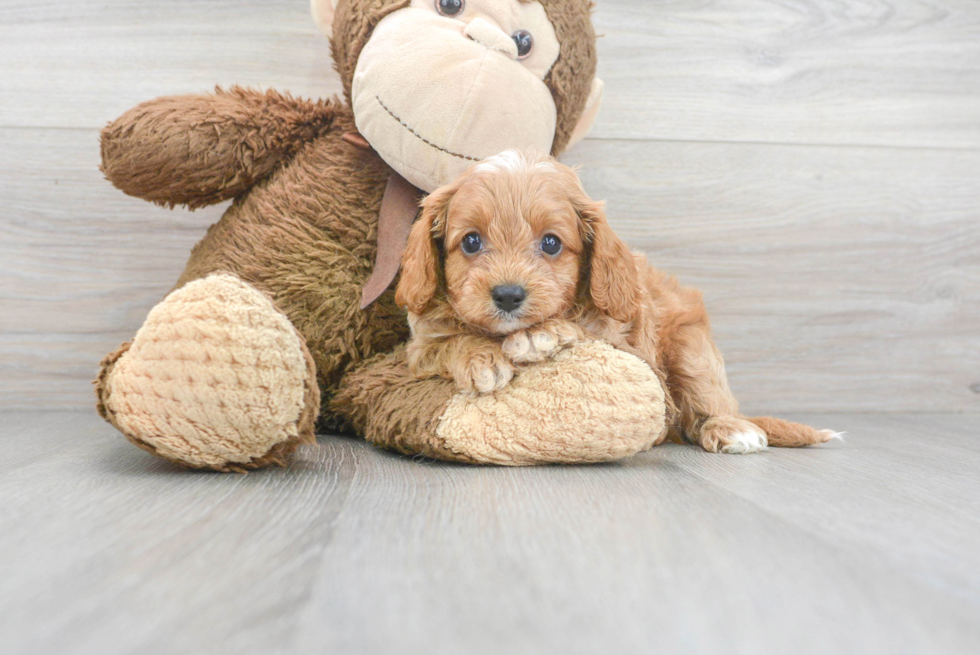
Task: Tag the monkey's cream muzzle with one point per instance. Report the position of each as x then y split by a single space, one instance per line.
433 95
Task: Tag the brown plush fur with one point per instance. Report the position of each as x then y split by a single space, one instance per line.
593 287
305 234
197 150
576 62
309 241
374 397
303 225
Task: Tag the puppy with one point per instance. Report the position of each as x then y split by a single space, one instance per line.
513 262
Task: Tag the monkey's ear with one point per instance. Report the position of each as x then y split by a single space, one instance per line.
588 114
420 264
322 11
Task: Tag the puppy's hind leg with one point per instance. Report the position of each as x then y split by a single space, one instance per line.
707 411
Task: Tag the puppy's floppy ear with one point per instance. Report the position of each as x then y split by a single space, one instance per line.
613 281
420 263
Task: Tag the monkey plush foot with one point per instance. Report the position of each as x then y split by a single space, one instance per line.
216 378
590 403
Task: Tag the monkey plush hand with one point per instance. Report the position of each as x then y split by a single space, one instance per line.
265 331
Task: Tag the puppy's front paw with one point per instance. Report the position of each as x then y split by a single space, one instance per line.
538 343
482 372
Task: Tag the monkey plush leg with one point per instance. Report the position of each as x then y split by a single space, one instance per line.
589 403
216 378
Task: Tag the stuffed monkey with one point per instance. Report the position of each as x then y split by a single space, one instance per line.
285 311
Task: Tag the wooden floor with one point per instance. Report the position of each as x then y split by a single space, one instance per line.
870 546
813 166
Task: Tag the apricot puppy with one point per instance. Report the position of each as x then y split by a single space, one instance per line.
513 261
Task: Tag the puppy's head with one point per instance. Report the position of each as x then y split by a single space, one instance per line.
514 241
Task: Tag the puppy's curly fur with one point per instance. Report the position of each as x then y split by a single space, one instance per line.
494 231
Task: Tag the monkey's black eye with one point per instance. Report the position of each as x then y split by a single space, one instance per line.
450 7
525 43
550 244
472 243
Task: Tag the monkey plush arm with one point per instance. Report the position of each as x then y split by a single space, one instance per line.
197 150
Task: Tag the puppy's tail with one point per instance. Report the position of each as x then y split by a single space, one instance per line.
785 434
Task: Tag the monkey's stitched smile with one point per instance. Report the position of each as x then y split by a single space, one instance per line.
420 137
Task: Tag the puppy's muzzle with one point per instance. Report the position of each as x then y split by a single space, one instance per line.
508 297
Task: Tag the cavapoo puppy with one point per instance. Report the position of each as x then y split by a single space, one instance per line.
513 261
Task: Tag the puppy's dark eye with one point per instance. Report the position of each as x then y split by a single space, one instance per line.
525 43
450 7
472 243
550 244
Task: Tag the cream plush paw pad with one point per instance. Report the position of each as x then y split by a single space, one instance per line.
215 377
590 403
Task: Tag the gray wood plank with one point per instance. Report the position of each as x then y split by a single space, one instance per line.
889 73
869 546
84 63
838 278
903 72
27 437
902 490
104 548
662 553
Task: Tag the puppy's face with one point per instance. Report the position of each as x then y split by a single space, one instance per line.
512 246
507 242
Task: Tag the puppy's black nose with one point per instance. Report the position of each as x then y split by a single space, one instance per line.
508 297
